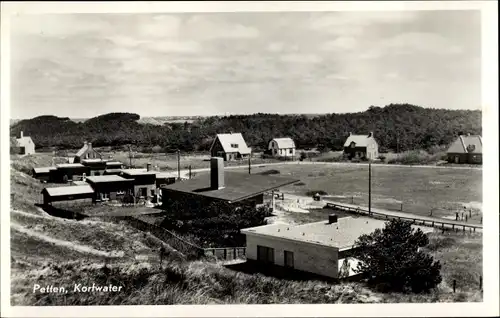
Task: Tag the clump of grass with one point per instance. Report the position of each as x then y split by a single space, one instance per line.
299 184
416 157
270 172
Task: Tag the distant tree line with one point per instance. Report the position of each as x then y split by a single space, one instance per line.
396 127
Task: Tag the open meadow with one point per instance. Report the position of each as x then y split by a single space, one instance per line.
444 190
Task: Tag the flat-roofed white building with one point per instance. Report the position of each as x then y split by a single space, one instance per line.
320 248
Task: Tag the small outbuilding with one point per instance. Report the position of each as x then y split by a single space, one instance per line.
282 147
144 181
42 173
65 172
466 149
361 147
67 193
110 187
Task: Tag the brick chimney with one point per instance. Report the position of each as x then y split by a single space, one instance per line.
21 134
216 173
370 134
90 145
332 218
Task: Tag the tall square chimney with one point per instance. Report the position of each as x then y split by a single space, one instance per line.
216 173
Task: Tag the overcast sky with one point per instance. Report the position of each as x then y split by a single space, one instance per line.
83 65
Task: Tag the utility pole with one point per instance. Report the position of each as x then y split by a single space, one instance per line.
178 164
370 187
250 163
130 155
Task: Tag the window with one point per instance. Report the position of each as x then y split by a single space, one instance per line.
265 254
290 151
152 192
144 192
288 259
234 145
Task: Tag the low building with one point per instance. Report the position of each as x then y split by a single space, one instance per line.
110 187
24 145
361 147
99 166
320 248
232 188
144 181
67 193
86 152
466 149
282 147
43 173
164 179
230 146
65 172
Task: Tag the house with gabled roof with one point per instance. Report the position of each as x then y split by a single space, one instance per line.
230 146
23 145
361 146
466 149
86 152
282 147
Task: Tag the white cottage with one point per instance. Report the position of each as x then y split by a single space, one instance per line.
25 144
282 147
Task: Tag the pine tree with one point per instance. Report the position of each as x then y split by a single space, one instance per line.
392 259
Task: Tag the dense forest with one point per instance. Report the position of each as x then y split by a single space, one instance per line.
396 127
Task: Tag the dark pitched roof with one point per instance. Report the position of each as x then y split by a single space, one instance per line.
467 144
238 186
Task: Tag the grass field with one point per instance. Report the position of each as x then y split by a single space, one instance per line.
419 189
49 250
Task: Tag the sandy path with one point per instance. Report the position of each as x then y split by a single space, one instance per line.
70 245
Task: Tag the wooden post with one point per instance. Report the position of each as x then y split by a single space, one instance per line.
179 164
401 207
453 226
480 282
370 187
432 223
225 254
454 285
250 164
352 200
464 228
189 172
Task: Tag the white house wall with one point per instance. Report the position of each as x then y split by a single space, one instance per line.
317 259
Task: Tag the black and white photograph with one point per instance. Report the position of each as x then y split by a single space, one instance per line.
227 154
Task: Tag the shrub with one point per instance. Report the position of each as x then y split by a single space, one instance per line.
415 157
269 172
392 261
320 192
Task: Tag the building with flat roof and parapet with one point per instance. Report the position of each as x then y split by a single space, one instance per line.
321 248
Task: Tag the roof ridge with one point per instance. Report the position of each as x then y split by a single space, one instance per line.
463 143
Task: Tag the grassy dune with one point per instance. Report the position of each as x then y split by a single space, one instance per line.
52 251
